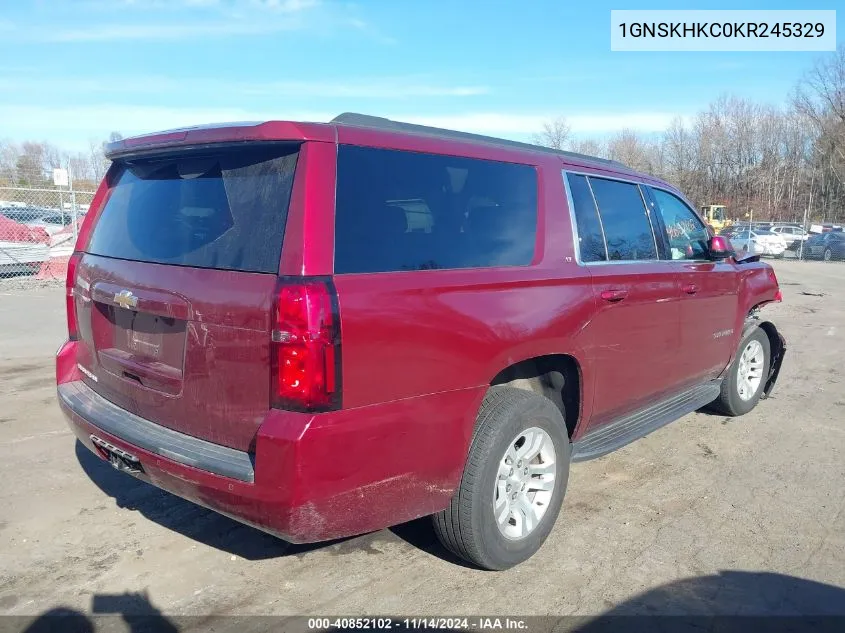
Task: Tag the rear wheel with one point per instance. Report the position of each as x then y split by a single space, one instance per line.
744 384
513 482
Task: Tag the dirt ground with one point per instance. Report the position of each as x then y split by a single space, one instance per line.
748 510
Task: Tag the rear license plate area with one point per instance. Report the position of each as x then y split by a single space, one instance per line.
117 457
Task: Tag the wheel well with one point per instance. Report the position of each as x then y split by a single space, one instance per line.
556 376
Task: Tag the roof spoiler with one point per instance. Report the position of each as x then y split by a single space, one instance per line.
381 123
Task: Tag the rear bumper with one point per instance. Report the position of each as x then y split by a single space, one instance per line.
314 477
76 398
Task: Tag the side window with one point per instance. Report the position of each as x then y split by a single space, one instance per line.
627 229
687 236
590 237
402 211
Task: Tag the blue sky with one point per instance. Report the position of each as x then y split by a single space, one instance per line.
73 71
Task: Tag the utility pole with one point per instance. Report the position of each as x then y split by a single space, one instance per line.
74 213
804 227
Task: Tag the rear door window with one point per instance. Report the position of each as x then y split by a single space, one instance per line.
403 211
627 228
222 209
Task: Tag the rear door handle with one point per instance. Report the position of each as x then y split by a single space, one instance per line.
690 289
614 295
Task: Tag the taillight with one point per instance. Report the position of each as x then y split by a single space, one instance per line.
70 304
774 279
305 346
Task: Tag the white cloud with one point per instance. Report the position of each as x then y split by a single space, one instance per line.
286 6
385 88
527 124
186 30
481 122
609 123
197 18
72 126
366 89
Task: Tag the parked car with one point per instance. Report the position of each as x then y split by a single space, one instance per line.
759 242
326 329
827 246
739 227
51 220
793 235
730 231
22 249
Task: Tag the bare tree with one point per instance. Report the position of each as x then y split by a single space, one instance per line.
775 160
590 147
555 134
633 150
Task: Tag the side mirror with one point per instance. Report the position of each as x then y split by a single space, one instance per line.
719 247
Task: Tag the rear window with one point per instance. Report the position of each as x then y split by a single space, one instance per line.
400 211
222 209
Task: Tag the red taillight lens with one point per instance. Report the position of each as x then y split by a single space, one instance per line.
70 303
774 278
305 346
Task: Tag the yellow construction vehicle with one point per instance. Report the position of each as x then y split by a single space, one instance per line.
716 215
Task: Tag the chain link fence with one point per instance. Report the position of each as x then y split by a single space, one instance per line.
38 228
813 242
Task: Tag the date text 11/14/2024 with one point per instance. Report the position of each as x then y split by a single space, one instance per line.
419 623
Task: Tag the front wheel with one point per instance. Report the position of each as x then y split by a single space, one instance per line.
513 483
828 254
744 384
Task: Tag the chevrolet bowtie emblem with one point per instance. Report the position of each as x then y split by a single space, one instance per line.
125 299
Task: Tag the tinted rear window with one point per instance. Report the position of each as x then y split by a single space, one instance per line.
399 211
224 209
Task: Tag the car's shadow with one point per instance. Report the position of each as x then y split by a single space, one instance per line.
727 602
220 532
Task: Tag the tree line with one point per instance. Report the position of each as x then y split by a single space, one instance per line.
774 161
30 164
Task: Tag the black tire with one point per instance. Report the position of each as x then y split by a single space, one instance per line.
468 526
729 401
828 255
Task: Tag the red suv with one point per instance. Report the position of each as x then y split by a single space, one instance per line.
326 329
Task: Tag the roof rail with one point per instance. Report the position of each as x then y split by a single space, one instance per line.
381 123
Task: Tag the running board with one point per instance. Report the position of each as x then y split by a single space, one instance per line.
614 435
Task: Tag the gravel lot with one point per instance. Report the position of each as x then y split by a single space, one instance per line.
708 515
